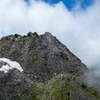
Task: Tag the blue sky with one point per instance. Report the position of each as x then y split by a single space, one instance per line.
76 23
71 3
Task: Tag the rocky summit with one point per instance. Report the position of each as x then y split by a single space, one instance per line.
40 67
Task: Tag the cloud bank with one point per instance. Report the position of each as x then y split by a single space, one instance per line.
78 29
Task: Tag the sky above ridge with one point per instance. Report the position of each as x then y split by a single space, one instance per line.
70 3
74 22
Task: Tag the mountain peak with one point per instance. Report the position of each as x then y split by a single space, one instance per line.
43 52
32 34
41 58
48 34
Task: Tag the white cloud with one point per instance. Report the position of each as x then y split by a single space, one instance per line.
78 29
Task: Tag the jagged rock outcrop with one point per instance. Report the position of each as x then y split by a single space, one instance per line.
42 58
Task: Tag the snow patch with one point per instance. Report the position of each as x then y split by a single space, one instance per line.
10 65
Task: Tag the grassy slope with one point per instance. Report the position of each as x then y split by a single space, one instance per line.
65 87
62 88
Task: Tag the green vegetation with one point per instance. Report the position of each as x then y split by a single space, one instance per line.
35 59
15 53
60 88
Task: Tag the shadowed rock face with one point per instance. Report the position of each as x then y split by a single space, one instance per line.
42 57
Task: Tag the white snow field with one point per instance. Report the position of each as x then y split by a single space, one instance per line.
10 65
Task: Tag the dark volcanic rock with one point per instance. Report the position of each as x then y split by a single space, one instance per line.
42 57
14 85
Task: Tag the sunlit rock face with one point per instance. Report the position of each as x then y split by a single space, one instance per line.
31 63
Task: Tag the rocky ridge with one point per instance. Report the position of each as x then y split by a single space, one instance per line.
48 66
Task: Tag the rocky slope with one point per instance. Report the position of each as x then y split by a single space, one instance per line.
50 70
